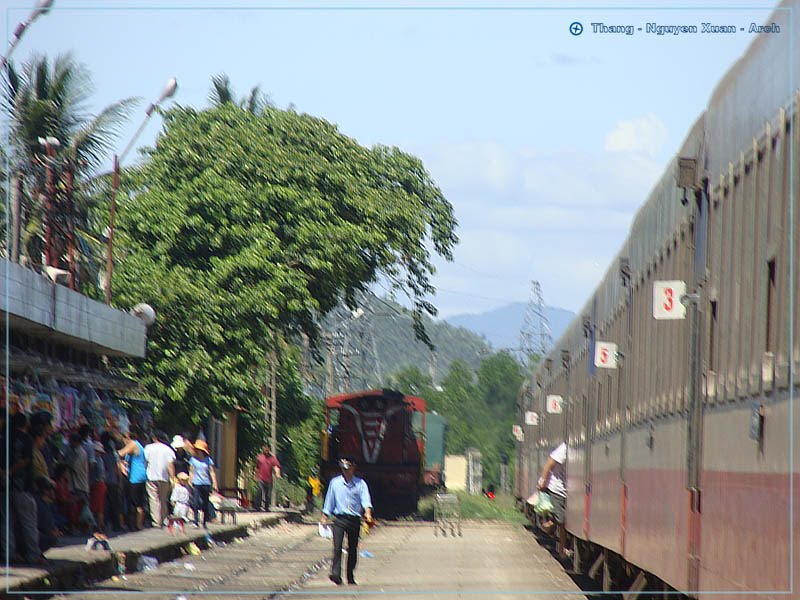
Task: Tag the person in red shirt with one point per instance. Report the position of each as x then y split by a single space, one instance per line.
266 464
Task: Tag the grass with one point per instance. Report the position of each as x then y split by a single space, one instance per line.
479 508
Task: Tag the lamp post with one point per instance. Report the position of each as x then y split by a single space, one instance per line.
42 8
50 144
168 92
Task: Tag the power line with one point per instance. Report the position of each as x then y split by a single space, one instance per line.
457 293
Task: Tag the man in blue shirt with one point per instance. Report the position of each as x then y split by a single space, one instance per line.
347 497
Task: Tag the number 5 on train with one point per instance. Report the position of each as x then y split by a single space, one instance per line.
605 355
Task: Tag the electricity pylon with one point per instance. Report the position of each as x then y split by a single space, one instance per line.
535 336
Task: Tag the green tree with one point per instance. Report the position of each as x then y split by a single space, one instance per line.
238 225
411 381
480 406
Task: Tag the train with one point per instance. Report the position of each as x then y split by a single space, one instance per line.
673 387
375 428
433 427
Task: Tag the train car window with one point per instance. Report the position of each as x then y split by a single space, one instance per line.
583 415
713 326
769 344
598 413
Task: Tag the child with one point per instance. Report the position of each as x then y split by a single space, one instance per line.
180 497
68 505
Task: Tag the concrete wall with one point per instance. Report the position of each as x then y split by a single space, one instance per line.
38 305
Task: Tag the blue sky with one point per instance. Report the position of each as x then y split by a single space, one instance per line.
546 143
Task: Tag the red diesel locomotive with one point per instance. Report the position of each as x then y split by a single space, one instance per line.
374 427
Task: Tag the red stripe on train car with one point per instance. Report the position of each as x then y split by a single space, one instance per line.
622 518
587 503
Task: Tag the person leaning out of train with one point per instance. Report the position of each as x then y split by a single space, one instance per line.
553 481
347 499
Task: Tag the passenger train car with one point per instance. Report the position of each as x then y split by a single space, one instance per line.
682 464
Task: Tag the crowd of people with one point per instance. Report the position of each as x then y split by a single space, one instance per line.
97 483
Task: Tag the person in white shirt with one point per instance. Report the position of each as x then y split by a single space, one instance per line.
553 480
160 471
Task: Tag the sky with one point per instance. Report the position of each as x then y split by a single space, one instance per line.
545 142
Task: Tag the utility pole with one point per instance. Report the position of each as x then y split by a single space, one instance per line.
329 373
375 356
271 400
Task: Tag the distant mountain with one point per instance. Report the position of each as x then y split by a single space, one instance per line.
501 326
379 338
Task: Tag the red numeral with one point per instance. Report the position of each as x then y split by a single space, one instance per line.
604 355
668 302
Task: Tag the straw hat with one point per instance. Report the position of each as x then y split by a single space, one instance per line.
201 445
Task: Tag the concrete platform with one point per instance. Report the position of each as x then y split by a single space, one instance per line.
72 567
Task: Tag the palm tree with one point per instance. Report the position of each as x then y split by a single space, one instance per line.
222 93
47 99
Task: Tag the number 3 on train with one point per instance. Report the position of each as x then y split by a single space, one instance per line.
667 300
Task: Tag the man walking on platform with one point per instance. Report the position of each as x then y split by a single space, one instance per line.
266 464
347 498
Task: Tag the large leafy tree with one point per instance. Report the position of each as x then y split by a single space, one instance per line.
239 225
48 99
480 406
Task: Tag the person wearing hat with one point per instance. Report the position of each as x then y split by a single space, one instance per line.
346 500
204 479
181 463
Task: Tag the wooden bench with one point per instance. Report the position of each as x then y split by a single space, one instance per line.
227 511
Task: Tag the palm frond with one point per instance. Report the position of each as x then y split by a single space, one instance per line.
256 101
221 90
93 141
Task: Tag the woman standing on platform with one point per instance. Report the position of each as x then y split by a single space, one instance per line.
135 467
204 479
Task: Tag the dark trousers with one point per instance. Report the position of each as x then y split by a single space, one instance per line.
265 494
352 527
201 502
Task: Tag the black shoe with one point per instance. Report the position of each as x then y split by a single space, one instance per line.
351 581
335 579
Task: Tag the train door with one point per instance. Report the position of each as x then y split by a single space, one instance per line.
588 425
694 417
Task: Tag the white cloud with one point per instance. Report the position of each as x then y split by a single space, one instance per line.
525 213
644 135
